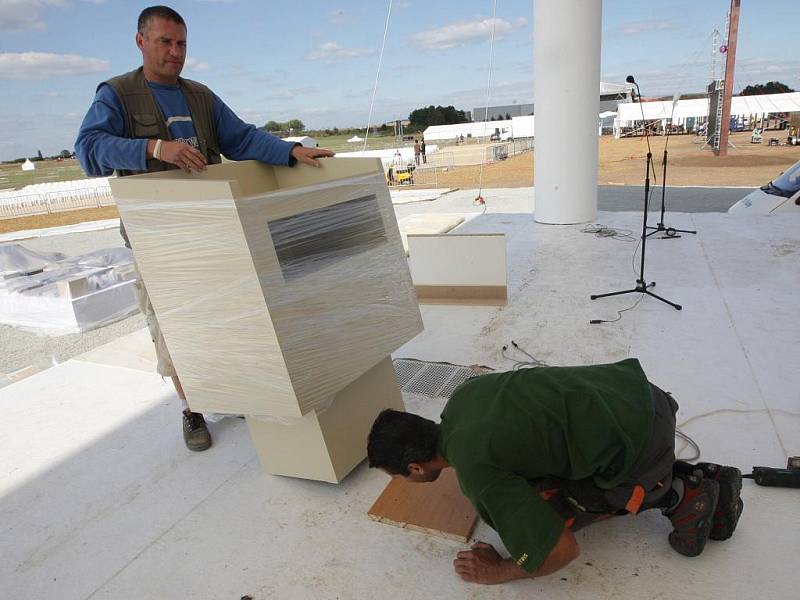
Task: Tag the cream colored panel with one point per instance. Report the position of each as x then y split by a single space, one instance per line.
329 170
204 288
326 447
458 260
338 312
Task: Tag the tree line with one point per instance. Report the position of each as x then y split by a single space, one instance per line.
771 87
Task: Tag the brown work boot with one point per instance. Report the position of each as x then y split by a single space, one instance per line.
195 432
693 517
730 504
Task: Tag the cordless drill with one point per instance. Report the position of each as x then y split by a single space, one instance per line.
788 477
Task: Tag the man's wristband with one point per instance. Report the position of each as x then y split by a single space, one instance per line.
157 150
292 160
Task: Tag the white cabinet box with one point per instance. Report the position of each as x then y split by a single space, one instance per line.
275 287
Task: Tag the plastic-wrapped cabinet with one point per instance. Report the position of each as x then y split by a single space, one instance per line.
275 287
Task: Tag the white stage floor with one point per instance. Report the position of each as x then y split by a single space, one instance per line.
100 499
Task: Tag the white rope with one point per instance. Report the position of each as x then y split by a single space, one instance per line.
377 74
488 92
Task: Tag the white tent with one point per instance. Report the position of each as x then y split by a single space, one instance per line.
28 165
522 127
303 140
355 139
740 106
475 130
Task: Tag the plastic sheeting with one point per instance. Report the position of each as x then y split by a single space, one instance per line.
51 294
272 303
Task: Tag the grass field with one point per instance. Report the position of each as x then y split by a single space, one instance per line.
338 143
13 177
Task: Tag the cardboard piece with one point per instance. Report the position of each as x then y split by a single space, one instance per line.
328 445
437 508
459 268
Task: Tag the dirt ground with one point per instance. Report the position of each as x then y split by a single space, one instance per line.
621 163
58 219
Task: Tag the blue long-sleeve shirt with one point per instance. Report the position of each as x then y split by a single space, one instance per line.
103 144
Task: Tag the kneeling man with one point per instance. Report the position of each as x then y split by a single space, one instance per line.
542 452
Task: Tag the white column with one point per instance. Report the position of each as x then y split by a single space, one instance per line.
566 42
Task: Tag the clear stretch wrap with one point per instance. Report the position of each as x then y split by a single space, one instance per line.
271 303
51 294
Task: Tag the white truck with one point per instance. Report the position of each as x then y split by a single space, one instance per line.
780 195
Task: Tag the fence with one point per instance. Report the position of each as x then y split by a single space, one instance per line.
26 202
475 154
436 172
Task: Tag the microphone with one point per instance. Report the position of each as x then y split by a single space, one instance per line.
630 79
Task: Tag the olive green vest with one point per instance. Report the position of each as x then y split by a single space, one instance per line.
146 121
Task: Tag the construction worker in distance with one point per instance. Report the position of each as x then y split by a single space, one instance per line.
543 452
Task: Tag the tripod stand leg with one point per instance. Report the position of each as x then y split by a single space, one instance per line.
672 304
674 231
595 296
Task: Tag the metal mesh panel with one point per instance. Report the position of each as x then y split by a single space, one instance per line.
436 380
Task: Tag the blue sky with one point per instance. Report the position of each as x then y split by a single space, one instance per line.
316 60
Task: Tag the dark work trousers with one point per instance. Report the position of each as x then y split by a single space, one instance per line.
582 502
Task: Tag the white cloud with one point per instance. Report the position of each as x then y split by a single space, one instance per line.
28 14
464 32
333 51
39 65
25 14
636 27
195 65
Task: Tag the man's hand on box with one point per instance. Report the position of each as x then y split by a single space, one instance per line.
183 155
309 156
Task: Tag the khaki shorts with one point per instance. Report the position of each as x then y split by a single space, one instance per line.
165 367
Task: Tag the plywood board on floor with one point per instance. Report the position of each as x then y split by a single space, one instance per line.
438 508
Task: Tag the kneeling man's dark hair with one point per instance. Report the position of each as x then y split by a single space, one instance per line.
399 438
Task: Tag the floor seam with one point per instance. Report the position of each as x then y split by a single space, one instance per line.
168 530
741 344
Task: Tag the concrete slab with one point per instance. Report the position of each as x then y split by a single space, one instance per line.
133 351
61 230
400 196
99 498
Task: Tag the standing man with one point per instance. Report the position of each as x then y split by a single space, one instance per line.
422 150
151 119
417 151
543 452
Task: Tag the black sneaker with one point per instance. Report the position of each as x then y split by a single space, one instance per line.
730 504
195 432
693 517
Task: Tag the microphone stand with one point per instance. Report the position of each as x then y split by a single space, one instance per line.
642 286
668 231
